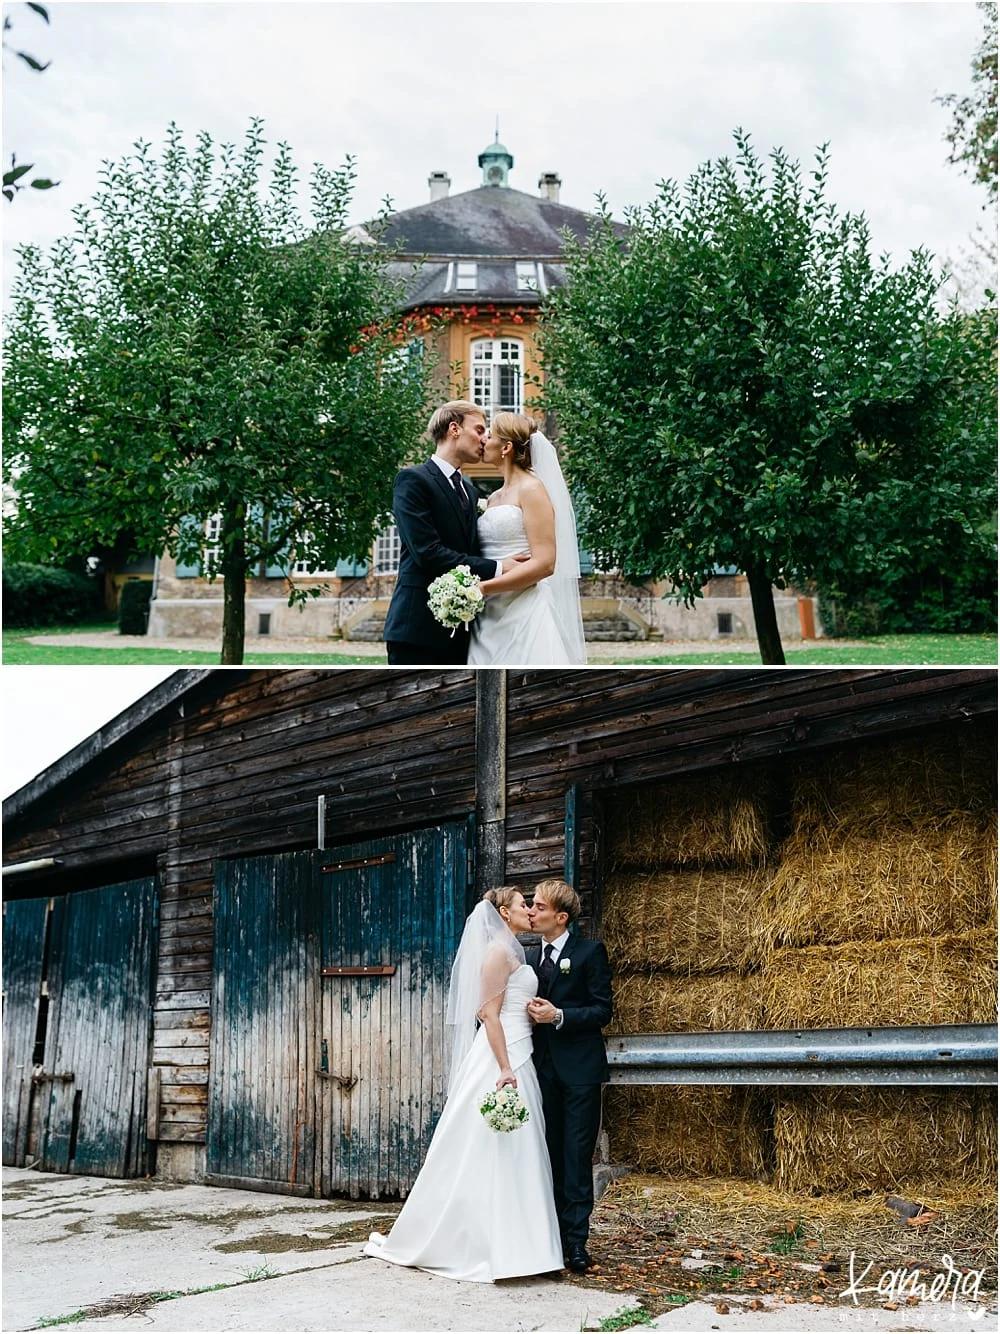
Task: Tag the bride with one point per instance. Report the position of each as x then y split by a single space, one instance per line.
482 1206
531 616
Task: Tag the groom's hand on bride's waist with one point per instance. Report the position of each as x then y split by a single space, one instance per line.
512 562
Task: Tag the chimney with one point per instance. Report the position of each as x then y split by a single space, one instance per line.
548 186
439 181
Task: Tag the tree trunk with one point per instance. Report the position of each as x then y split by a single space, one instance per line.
234 587
762 597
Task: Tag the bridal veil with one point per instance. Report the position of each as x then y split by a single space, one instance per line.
487 955
564 581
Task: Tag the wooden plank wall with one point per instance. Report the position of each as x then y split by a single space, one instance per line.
236 768
386 751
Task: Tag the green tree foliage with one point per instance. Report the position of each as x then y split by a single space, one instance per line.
740 384
14 178
194 349
973 133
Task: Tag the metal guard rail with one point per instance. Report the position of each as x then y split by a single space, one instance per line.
921 1055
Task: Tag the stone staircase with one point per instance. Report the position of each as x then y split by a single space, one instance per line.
604 620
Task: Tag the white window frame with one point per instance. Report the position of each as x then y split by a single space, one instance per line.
466 276
527 275
211 552
488 359
301 569
385 553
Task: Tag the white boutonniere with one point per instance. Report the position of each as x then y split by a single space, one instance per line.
482 506
564 965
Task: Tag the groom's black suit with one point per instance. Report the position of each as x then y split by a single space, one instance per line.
572 1064
436 533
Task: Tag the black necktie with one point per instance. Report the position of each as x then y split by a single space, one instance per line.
546 969
456 481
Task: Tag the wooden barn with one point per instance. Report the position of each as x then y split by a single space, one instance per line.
230 914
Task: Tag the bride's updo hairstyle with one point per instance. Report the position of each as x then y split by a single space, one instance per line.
504 896
516 430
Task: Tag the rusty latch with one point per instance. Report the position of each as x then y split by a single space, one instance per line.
345 1081
363 970
359 862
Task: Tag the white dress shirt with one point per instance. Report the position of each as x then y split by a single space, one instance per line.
557 949
448 470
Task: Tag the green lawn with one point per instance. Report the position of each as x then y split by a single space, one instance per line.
881 651
18 652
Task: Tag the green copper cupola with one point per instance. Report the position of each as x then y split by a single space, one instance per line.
496 162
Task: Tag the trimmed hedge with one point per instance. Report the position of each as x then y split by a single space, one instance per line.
931 602
133 606
37 595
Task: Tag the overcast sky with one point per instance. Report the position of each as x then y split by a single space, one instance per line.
49 710
614 97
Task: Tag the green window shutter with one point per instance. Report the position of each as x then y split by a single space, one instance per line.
351 569
586 562
190 525
279 566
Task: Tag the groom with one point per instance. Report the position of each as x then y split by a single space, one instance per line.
436 512
572 1006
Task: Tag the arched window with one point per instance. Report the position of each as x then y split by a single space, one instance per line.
498 375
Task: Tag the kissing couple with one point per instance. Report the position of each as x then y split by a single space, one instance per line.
489 1204
522 547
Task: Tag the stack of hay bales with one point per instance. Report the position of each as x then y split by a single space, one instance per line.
877 908
688 865
882 911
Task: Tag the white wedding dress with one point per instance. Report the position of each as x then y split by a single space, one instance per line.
481 1207
522 628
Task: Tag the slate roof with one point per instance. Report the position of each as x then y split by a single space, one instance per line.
489 221
493 225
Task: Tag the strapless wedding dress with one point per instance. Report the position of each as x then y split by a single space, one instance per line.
481 1207
515 629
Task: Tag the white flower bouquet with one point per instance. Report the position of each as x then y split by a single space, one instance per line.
503 1109
454 598
482 506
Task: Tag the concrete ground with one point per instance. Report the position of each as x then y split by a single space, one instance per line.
240 1260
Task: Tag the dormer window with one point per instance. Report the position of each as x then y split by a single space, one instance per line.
527 275
465 277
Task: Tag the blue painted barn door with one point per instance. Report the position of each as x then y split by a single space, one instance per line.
24 923
327 1068
260 1089
88 1098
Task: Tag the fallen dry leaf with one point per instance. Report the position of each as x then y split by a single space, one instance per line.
921 1220
721 1308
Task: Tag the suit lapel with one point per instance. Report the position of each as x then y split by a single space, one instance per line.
568 951
561 975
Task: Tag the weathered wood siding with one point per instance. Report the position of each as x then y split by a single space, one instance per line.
234 770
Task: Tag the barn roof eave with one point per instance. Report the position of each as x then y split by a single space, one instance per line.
144 710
